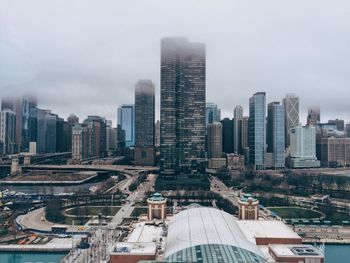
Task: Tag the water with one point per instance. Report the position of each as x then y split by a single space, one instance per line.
337 253
30 257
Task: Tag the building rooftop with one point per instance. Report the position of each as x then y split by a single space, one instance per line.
253 229
139 248
295 251
156 197
246 197
209 234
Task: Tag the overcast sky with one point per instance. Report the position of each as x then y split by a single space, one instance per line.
85 57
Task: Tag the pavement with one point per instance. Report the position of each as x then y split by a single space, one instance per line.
104 238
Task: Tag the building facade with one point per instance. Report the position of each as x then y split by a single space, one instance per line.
257 130
237 125
126 120
227 135
334 152
7 132
144 122
214 140
275 134
303 147
212 113
183 82
291 115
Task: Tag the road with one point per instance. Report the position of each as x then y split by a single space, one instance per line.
217 186
104 238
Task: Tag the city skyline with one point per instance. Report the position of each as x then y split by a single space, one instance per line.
73 77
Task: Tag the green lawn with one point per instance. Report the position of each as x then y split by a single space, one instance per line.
93 210
138 211
295 212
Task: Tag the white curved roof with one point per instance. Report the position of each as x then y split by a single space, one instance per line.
205 226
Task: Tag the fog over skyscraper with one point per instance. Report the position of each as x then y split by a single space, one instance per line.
144 122
183 82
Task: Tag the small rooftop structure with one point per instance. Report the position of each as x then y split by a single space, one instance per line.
296 253
156 207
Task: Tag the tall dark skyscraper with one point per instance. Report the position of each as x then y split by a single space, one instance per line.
257 130
183 82
144 122
227 135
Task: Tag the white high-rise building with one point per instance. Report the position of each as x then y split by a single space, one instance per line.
303 147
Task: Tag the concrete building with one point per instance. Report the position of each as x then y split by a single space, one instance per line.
183 82
100 134
237 133
339 124
257 130
248 207
217 163
144 122
7 132
212 113
235 161
111 139
313 116
126 120
214 140
79 142
275 134
227 135
156 207
347 129
291 115
303 147
334 152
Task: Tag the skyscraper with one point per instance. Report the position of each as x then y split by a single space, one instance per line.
237 134
99 135
144 122
275 134
183 81
257 130
126 120
7 132
212 113
214 140
313 116
291 115
303 147
227 135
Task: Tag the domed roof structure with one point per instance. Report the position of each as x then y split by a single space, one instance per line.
208 235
